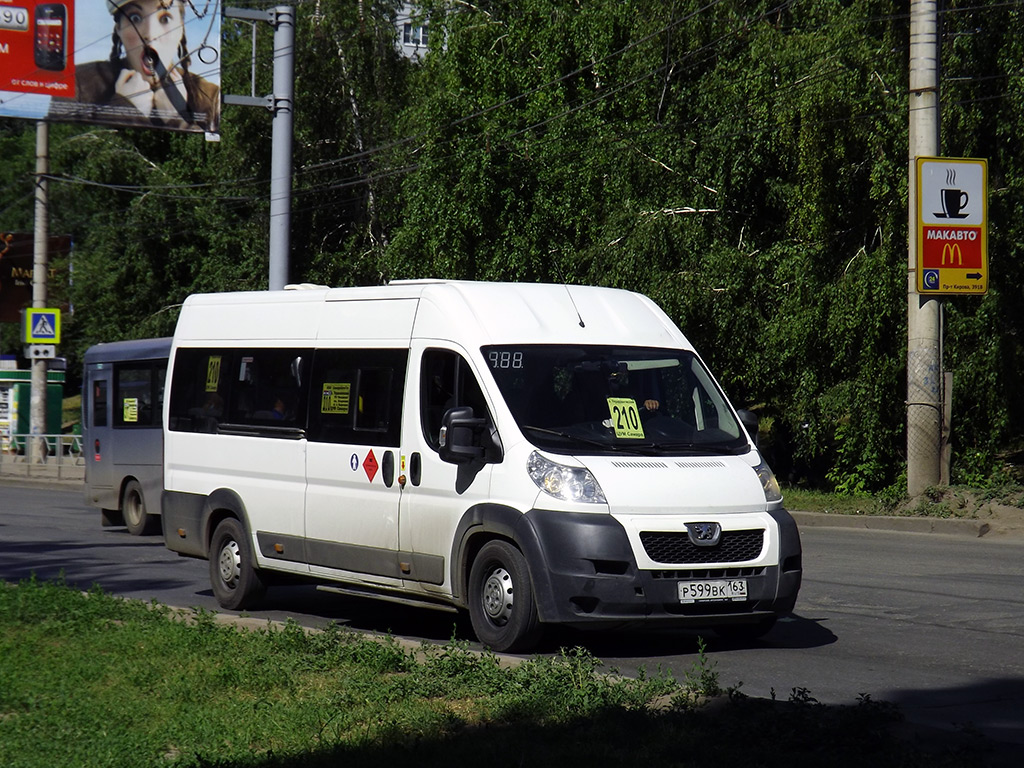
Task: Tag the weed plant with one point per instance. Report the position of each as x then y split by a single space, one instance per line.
91 680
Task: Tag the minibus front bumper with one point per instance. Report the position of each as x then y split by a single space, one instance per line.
584 574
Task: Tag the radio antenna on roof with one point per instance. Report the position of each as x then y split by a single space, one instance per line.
565 285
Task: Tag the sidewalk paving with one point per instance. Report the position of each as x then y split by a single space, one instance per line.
59 475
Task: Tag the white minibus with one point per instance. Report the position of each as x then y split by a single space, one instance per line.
533 454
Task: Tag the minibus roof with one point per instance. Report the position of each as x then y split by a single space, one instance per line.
134 349
473 313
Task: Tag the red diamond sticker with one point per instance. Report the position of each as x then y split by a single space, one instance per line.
370 466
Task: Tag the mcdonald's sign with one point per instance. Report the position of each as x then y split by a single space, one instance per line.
952 227
953 249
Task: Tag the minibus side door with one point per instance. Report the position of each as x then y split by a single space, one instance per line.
352 493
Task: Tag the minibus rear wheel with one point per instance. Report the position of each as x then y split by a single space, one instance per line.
502 607
236 584
133 507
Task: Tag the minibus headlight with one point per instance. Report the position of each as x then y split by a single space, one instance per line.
769 484
562 482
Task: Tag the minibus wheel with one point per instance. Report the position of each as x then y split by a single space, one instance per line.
502 607
133 507
236 584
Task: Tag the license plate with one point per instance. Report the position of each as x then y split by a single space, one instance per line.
712 591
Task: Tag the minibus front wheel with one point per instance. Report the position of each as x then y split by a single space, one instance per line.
502 607
236 584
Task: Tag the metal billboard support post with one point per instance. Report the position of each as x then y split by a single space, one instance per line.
924 317
280 102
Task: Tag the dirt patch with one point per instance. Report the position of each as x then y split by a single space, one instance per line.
1003 511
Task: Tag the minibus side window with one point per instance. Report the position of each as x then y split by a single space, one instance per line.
356 396
447 381
266 387
263 387
199 384
159 384
99 404
136 398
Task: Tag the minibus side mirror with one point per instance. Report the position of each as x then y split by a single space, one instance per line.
460 438
751 423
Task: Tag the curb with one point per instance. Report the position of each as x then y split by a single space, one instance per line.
946 526
52 483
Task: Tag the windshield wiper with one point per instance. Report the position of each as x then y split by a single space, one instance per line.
698 448
576 438
643 448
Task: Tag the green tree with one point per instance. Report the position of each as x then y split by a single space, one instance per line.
740 163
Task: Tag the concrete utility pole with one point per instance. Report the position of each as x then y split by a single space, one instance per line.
924 314
37 452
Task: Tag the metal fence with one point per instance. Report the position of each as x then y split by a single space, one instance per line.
64 459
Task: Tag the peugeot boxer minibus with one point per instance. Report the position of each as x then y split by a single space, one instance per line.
532 454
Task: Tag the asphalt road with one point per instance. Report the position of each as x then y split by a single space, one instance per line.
931 622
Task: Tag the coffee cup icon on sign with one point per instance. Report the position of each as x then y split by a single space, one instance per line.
953 203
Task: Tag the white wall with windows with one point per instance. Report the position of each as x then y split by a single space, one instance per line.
413 33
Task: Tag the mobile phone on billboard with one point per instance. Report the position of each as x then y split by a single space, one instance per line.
50 50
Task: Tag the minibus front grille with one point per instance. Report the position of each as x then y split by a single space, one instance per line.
673 547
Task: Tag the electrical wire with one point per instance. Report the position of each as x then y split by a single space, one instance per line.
366 179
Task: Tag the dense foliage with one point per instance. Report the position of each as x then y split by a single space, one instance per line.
742 162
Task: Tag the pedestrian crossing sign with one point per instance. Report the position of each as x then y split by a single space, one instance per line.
42 326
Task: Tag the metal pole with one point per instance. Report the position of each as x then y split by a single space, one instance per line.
40 268
281 160
280 103
924 358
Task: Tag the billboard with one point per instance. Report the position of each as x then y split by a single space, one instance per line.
16 268
138 63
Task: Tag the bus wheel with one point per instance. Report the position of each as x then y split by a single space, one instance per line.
502 607
133 507
236 583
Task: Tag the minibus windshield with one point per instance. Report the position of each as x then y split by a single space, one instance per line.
604 399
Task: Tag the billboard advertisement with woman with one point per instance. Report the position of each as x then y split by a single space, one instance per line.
141 63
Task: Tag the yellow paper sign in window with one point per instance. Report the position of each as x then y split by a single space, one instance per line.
131 410
335 397
625 418
213 373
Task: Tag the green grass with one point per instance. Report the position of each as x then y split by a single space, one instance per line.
942 502
93 680
832 503
71 412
